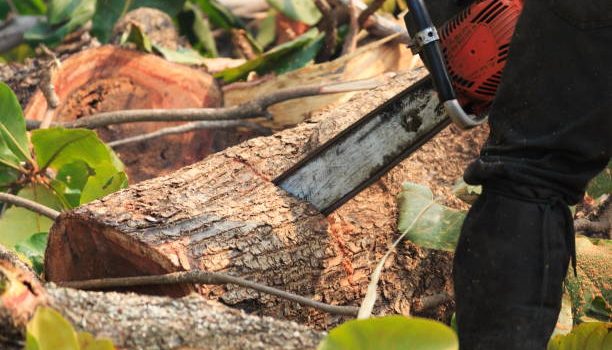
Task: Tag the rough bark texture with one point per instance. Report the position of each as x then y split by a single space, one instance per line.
109 78
224 214
140 322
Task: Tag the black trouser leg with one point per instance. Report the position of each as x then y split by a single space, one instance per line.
508 272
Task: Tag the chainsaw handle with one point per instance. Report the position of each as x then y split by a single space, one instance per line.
428 42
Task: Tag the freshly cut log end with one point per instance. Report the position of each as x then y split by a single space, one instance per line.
109 78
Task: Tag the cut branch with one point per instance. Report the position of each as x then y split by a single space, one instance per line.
190 127
252 109
30 205
203 277
350 42
329 25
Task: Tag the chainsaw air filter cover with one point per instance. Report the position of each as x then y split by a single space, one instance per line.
475 45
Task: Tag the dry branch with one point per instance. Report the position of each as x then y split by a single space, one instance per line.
370 10
329 25
30 205
251 109
202 277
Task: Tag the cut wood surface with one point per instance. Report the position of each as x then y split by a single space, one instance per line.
110 78
134 321
224 214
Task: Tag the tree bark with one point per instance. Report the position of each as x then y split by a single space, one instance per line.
134 321
224 214
109 78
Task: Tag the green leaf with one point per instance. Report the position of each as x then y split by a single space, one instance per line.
585 336
602 183
184 56
106 181
438 227
108 12
34 249
391 332
267 30
195 26
14 141
18 224
302 57
61 10
24 7
56 147
53 34
51 331
70 180
137 36
267 61
299 10
88 342
467 193
219 15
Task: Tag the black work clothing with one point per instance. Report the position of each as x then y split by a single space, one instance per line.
551 132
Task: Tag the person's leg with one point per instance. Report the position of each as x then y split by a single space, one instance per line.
551 132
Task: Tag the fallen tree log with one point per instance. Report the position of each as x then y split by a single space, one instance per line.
224 214
140 322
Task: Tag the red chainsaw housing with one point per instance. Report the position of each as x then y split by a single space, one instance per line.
475 45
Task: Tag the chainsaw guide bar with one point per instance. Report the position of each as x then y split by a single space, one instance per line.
362 153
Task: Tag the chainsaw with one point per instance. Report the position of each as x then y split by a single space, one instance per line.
465 58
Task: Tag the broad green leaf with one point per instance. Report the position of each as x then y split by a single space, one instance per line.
267 30
591 291
18 224
267 61
108 12
14 141
51 331
299 10
70 180
24 7
56 147
34 249
184 56
585 336
52 34
602 183
391 332
61 10
438 227
106 181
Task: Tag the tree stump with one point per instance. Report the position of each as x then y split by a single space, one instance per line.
224 214
109 78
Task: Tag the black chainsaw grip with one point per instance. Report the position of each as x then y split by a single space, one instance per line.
430 52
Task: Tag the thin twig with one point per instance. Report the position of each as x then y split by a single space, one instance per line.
12 31
431 301
46 85
12 7
204 277
381 26
371 9
30 205
189 127
329 26
251 109
350 42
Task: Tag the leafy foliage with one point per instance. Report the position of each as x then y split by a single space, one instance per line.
71 167
108 12
602 183
63 17
585 336
391 332
300 10
48 330
438 227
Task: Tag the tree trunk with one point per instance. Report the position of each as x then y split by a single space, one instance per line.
140 322
224 214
